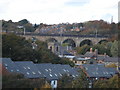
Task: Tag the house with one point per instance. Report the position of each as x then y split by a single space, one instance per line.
90 54
28 69
51 72
95 72
111 60
98 71
9 65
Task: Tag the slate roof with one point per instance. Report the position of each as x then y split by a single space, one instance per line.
80 59
89 54
43 70
100 57
98 70
10 65
55 71
111 59
29 69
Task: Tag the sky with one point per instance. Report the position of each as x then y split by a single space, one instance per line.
59 11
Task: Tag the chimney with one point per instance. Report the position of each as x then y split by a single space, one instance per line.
91 50
105 55
96 52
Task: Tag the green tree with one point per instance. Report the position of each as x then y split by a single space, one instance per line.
83 49
81 81
114 49
13 80
23 22
65 82
19 49
110 83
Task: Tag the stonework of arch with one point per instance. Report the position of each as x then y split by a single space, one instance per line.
86 40
71 41
77 40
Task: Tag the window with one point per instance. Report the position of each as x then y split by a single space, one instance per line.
54 82
64 70
6 65
46 70
57 48
11 70
86 68
60 74
50 75
28 73
76 75
28 67
24 67
67 70
50 70
17 70
33 73
73 75
56 75
39 72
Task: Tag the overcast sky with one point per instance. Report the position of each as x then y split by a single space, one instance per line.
59 11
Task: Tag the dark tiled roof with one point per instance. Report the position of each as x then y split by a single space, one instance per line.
55 71
98 70
29 69
44 70
111 59
100 57
10 65
67 53
89 54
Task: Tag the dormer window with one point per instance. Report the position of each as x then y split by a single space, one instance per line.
28 73
6 65
17 70
39 72
46 70
24 67
50 70
28 67
60 74
56 75
33 73
73 75
50 75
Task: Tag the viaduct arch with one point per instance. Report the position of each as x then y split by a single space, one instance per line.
76 40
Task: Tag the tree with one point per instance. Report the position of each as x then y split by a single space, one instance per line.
114 49
23 22
83 49
110 83
14 80
81 81
112 65
19 49
65 82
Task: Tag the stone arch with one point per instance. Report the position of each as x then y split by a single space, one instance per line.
70 42
86 41
51 40
102 41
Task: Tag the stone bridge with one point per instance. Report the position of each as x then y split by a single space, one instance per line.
76 40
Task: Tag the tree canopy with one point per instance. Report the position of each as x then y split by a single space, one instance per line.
20 49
